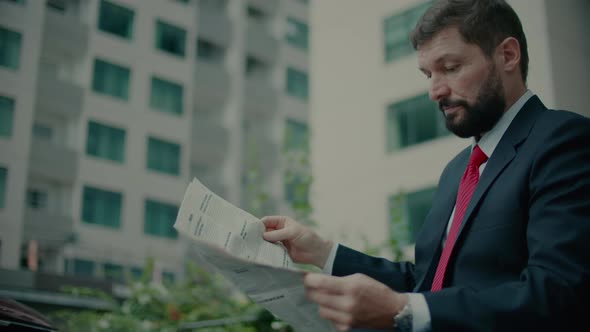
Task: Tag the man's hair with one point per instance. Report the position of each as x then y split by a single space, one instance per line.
485 23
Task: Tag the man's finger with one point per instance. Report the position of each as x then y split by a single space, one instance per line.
277 235
325 283
329 300
339 318
274 221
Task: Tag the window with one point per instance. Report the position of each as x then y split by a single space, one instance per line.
112 271
42 132
3 176
105 142
297 189
6 116
163 156
166 96
170 38
297 83
168 277
111 79
255 67
396 30
297 33
136 272
296 135
256 14
37 199
116 19
10 44
159 218
407 213
210 52
101 207
80 267
413 121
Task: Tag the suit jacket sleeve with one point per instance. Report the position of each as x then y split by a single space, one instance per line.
398 276
555 280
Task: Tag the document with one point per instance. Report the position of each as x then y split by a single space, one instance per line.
230 240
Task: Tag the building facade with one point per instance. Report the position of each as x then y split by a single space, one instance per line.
108 108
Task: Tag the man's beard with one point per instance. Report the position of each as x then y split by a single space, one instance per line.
483 115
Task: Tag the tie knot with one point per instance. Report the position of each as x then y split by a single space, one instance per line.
477 157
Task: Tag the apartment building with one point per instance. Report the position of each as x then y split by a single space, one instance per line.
109 107
379 144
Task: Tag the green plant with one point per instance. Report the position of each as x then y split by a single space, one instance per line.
150 306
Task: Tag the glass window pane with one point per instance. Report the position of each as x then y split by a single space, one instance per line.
101 207
159 219
209 51
163 156
43 132
37 199
111 79
116 19
396 30
296 135
82 267
413 121
10 45
113 272
6 116
166 96
418 205
297 33
105 142
170 38
297 83
168 277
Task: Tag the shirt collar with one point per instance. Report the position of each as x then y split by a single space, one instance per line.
488 142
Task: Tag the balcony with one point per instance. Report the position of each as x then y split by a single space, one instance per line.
63 36
260 99
53 162
49 230
209 144
211 85
260 43
215 25
58 97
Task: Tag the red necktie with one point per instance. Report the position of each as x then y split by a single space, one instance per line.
466 188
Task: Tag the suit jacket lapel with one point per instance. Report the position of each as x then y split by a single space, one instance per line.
503 154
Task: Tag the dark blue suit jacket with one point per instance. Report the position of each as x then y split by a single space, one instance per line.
522 257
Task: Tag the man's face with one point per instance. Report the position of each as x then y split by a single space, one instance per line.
464 82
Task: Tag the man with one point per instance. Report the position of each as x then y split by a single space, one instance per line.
506 245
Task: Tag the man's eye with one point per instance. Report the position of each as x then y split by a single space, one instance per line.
452 69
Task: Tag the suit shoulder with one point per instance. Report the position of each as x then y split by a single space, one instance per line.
554 118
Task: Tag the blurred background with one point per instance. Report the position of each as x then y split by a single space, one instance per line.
313 109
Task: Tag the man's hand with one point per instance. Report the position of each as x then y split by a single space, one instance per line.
354 301
302 243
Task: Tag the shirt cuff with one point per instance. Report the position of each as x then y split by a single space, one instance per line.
330 260
420 313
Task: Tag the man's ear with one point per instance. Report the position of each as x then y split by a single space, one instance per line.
508 54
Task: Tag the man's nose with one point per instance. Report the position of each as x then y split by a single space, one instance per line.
438 89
